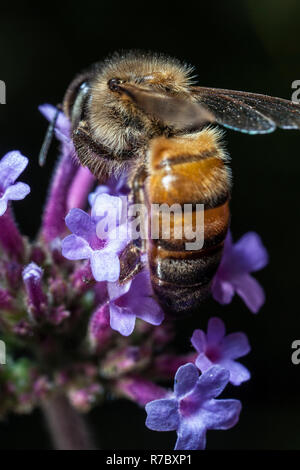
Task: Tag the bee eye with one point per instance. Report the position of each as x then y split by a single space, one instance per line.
114 83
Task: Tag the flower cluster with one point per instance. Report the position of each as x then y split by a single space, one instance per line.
60 297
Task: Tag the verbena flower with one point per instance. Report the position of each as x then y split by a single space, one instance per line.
216 348
192 410
233 276
114 187
11 166
99 237
133 300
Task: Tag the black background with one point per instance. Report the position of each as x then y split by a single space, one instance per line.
245 45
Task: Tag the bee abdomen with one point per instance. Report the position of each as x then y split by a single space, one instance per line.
185 173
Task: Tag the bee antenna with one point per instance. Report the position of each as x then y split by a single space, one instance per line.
48 138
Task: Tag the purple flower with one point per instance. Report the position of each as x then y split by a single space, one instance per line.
133 300
192 409
99 237
11 166
216 348
66 170
114 187
233 275
37 300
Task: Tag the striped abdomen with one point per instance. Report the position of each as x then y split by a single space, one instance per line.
186 171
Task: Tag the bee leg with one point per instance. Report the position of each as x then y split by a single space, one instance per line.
130 262
138 197
131 258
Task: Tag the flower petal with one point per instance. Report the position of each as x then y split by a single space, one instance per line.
250 253
99 190
198 340
220 414
235 345
3 206
215 330
211 383
105 266
162 415
191 435
117 239
139 298
150 311
16 192
250 291
203 363
75 248
238 372
222 291
109 207
121 319
11 166
185 379
79 222
116 290
62 122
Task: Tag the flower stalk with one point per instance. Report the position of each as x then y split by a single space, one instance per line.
68 429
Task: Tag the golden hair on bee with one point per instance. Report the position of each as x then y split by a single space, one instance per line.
115 122
122 124
198 161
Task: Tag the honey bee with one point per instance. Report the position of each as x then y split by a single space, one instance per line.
142 113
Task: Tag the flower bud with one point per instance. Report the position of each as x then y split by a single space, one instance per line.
10 237
166 365
36 299
139 390
124 360
82 278
5 300
55 211
100 331
84 398
80 188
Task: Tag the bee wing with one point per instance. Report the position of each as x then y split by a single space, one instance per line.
248 112
174 111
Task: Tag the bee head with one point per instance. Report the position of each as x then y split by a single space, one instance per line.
120 104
